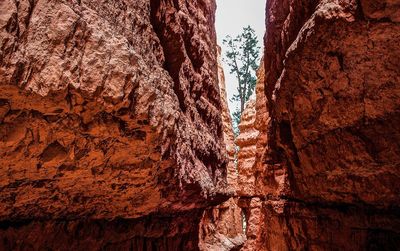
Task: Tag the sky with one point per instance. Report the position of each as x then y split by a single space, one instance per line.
231 17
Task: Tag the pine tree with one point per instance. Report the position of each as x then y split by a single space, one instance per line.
242 58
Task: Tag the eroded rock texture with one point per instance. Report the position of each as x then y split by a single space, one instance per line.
229 137
221 227
108 110
251 179
168 232
246 141
252 140
332 159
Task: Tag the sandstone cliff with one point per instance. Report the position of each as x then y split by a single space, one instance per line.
330 165
246 142
115 134
251 141
221 226
111 134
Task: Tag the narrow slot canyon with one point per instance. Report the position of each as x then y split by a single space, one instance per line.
115 130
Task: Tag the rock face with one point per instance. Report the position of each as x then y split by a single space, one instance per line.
108 110
115 135
169 232
251 141
221 227
330 164
229 137
246 141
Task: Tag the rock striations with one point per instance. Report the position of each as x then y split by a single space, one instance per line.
111 132
221 227
246 142
251 142
327 154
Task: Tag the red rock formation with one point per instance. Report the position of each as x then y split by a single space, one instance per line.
375 9
221 227
251 141
112 135
168 232
333 98
229 136
340 105
246 141
109 110
254 217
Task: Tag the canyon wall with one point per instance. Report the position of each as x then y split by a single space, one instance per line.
221 227
327 156
110 128
115 133
251 142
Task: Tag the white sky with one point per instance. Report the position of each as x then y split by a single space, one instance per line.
231 17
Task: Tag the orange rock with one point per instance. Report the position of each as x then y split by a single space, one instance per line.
329 168
229 137
221 226
246 142
109 110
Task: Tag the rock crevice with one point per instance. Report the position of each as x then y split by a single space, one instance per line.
115 131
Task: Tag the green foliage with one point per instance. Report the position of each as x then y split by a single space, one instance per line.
236 121
242 58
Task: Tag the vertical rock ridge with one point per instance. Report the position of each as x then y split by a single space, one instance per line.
221 226
246 141
229 137
252 171
330 162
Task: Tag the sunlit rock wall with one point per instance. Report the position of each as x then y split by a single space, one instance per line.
110 122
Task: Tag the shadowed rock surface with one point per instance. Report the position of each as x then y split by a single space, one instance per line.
168 232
